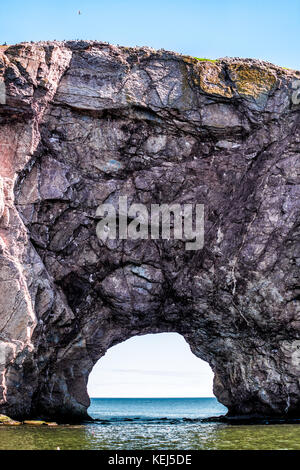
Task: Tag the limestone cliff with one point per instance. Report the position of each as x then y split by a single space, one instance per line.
82 123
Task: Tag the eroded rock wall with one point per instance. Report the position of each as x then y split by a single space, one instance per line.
82 123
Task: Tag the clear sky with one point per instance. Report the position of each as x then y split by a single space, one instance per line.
264 29
160 365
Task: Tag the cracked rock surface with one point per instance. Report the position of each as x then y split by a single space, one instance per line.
82 123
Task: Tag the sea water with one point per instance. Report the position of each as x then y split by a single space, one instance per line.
153 423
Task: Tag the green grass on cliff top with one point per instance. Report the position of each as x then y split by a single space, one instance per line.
204 59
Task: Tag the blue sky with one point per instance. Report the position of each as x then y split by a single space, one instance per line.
262 29
160 365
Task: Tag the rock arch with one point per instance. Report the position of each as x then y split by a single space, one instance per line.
85 122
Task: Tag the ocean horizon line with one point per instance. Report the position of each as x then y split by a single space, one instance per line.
152 398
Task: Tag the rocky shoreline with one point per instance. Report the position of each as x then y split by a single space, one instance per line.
252 419
7 421
230 420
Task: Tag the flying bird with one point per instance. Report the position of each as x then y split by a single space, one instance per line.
79 12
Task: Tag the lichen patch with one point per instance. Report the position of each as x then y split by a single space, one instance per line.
251 81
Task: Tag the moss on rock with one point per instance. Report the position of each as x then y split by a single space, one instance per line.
251 80
6 420
39 423
210 77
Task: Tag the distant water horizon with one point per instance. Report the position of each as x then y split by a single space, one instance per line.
154 409
148 397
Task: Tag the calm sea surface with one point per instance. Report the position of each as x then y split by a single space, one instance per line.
153 423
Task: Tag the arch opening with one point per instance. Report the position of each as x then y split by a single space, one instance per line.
151 366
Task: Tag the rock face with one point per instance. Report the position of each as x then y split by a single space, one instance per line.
82 123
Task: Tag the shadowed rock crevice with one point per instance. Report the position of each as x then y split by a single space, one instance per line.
83 123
